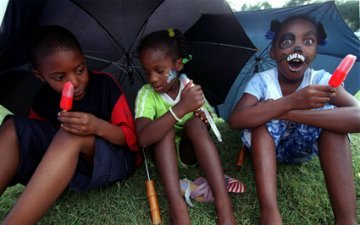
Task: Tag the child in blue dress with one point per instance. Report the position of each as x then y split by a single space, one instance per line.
91 145
164 115
289 114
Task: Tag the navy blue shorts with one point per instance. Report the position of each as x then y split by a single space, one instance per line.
111 163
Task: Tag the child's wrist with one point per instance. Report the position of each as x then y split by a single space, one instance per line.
180 109
288 103
177 118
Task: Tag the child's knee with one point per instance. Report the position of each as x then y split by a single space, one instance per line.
195 125
77 141
333 140
8 130
331 136
169 137
260 131
7 124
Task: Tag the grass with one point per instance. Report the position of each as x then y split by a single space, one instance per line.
302 194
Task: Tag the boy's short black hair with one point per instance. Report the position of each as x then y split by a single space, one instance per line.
46 40
276 26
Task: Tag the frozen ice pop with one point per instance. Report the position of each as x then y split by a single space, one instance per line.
213 126
342 70
67 96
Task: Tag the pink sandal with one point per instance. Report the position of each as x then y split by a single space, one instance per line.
203 190
200 190
233 185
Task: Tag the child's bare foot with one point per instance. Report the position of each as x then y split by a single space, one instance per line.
270 217
179 214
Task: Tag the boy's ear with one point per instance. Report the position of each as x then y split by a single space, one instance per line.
38 75
179 65
272 54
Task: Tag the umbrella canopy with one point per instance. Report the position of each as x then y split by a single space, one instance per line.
108 31
219 54
340 42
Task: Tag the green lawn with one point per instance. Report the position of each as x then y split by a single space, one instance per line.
302 194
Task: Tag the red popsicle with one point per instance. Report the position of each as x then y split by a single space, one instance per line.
67 96
342 70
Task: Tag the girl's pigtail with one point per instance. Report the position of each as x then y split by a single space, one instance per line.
182 46
321 34
274 26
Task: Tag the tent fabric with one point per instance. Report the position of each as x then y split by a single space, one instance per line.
340 42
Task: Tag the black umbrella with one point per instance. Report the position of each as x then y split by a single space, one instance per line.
109 32
219 54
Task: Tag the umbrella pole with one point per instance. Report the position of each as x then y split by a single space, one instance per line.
151 195
207 114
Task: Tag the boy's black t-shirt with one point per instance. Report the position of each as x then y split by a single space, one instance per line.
103 98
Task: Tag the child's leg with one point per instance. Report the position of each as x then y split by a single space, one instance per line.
209 160
335 159
166 162
264 161
51 177
9 154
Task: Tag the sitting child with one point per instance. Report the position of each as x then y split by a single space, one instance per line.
92 145
290 114
165 122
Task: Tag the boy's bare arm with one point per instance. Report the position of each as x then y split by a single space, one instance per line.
110 133
84 124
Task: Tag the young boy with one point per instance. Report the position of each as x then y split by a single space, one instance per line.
91 145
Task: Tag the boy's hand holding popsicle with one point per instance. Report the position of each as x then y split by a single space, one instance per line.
79 123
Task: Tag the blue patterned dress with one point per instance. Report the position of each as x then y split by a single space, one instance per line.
295 143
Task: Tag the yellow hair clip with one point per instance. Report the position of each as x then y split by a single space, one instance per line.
171 32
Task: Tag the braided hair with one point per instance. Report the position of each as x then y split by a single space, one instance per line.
276 26
172 42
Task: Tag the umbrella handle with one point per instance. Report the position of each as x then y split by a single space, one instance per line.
213 126
153 202
241 157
